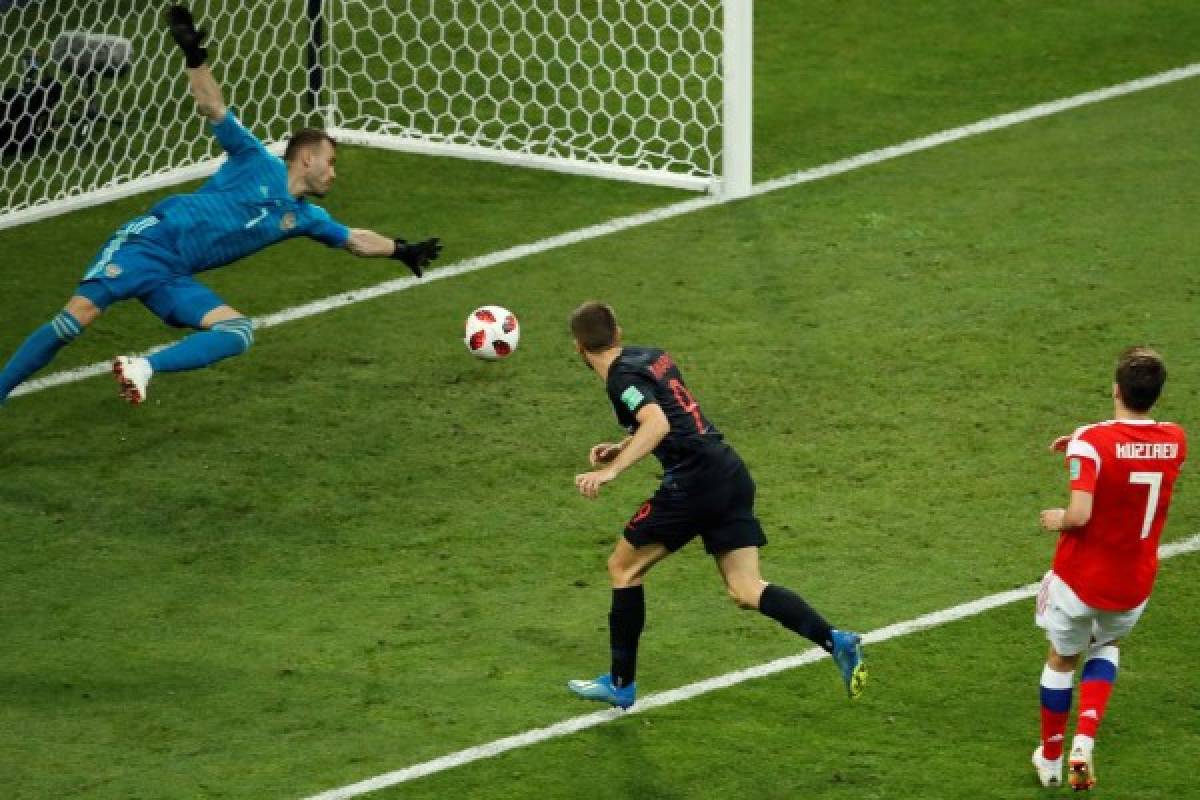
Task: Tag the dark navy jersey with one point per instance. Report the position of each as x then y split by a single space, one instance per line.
646 375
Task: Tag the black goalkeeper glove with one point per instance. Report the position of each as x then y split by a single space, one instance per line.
183 31
418 254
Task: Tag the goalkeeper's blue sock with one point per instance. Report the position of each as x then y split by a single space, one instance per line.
229 338
38 351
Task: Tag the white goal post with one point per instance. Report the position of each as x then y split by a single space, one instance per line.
95 104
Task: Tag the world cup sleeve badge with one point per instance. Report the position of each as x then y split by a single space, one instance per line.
112 271
287 221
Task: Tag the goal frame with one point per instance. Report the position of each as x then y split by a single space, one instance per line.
732 180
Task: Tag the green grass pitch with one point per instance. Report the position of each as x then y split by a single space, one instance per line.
355 548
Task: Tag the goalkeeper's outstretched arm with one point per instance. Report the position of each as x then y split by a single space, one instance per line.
203 86
416 256
209 101
369 244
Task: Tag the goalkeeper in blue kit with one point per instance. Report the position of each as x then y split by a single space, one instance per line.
254 200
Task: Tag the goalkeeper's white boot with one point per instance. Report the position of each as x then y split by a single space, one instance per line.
1048 772
133 374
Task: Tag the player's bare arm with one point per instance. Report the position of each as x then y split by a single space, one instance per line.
209 101
605 452
652 428
207 94
369 244
416 255
1059 445
1075 515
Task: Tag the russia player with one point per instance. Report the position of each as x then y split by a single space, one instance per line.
706 490
1122 473
254 200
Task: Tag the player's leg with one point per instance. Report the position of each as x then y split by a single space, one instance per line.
627 568
124 267
733 538
43 344
1095 687
660 526
1055 690
741 573
222 332
1096 681
1068 628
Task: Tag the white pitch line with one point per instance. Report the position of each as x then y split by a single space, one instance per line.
667 212
576 724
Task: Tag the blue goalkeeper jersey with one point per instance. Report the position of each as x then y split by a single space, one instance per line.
244 207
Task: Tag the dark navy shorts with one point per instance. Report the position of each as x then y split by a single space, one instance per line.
718 510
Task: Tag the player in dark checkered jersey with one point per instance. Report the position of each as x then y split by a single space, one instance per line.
706 490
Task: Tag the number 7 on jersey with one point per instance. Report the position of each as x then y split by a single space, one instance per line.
1154 481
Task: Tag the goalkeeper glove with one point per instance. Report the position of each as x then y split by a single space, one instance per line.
183 31
418 254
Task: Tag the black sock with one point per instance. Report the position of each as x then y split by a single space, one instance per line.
789 610
625 623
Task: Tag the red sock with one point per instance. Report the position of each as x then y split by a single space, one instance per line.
1095 686
1054 726
1056 705
1093 697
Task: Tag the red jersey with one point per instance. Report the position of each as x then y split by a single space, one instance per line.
1129 467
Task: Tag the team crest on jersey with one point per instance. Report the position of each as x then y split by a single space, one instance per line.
287 222
112 271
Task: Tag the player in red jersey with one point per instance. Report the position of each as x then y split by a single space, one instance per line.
1122 474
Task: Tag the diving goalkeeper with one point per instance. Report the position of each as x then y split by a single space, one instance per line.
254 200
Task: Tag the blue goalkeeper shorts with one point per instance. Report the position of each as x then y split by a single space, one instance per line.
136 263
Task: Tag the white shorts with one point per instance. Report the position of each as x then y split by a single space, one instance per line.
1071 624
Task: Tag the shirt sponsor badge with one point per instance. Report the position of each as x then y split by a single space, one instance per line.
1076 468
112 271
631 397
287 222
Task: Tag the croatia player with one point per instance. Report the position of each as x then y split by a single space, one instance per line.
1122 473
706 491
254 200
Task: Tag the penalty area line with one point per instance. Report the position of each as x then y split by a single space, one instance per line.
619 224
576 724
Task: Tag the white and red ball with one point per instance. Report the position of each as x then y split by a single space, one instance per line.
492 333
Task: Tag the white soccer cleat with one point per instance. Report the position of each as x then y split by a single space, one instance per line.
1081 772
133 374
1048 772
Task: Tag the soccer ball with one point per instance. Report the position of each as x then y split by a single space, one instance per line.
492 333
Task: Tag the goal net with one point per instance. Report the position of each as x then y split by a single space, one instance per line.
95 104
